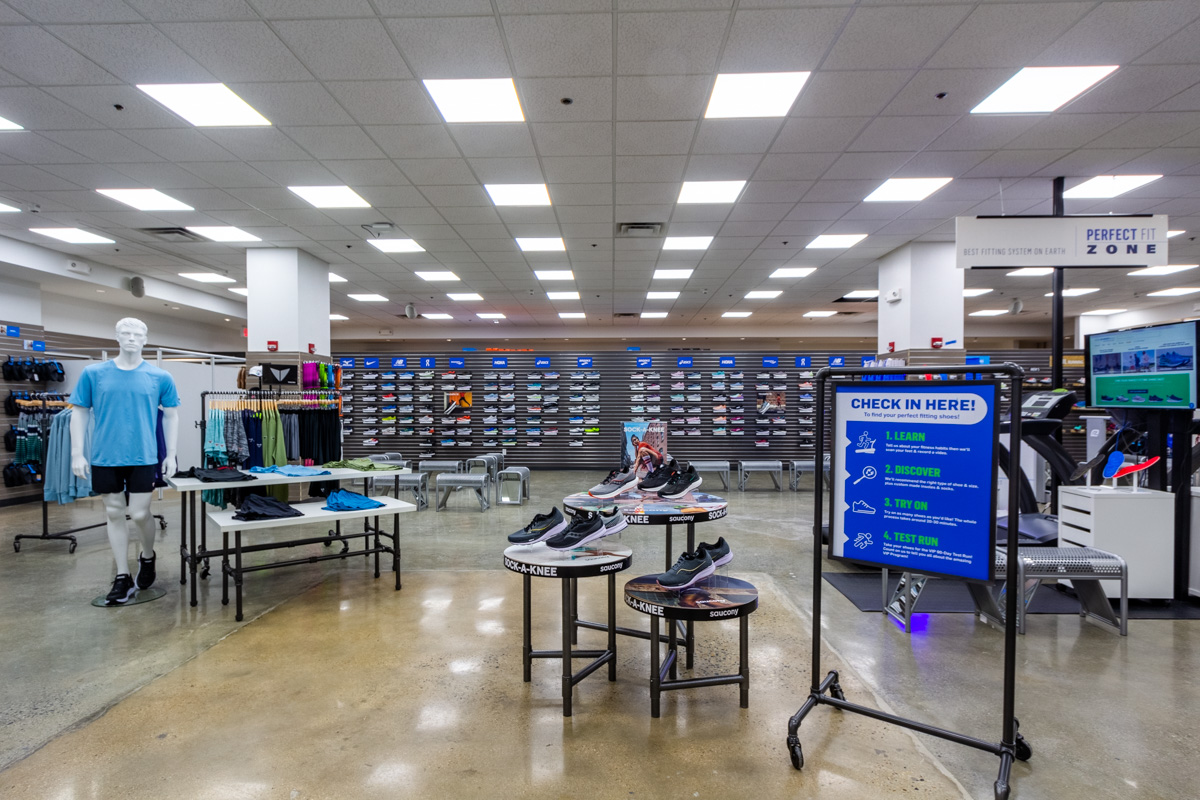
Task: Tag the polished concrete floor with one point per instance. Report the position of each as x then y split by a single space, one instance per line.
337 686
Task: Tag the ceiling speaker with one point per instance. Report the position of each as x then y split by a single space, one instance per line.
137 286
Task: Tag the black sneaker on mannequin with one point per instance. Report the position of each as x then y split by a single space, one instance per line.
145 574
123 591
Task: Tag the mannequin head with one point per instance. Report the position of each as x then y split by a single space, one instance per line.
131 335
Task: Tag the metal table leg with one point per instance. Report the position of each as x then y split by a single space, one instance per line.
183 539
574 610
612 625
567 684
237 574
396 548
744 659
527 620
655 674
193 557
224 568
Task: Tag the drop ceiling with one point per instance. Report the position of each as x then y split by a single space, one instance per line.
340 81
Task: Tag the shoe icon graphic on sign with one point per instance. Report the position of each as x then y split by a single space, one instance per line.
861 507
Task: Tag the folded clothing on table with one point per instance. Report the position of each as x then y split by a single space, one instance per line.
346 500
215 475
257 507
364 464
290 470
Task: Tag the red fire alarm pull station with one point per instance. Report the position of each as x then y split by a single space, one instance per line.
891 347
272 347
936 342
312 348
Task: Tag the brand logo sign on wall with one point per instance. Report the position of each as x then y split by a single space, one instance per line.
1061 241
683 361
12 330
644 361
499 361
837 361
583 361
457 363
370 363
728 361
398 361
427 362
770 361
542 361
346 363
804 361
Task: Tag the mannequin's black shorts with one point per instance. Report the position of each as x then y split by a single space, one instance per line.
135 480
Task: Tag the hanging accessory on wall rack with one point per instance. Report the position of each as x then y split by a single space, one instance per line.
33 369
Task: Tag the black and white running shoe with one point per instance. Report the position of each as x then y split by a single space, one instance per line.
543 527
587 527
146 574
660 476
123 590
690 569
618 482
719 552
681 483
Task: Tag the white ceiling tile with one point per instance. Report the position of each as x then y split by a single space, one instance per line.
452 196
759 212
493 140
68 11
104 146
1136 89
1061 130
293 103
1007 35
647 193
1180 48
1080 162
344 49
1015 163
654 138
296 173
193 10
673 43
89 176
471 215
774 191
390 196
160 175
423 8
228 174
699 213
944 164
818 134
901 133
1150 130
33 55
33 148
573 138
562 194
722 167
507 170
650 168
780 40
21 176
206 200
414 141
334 141
180 145
555 45
587 214
541 99
257 144
662 97
452 47
134 53
511 215
794 166
269 199
366 172
842 191
299 9
893 37
578 169
849 93
736 136
436 171
1164 161
99 104
1142 25
385 102
872 166
237 51
977 132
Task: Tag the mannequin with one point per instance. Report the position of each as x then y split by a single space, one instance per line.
122 397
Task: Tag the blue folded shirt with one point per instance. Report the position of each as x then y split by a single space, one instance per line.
346 500
291 471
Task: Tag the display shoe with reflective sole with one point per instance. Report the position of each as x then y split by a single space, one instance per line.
690 569
543 527
719 552
681 483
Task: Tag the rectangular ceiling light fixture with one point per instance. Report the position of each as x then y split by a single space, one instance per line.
223 233
206 277
554 274
338 317
368 298
491 315
476 100
1103 187
905 190
6 209
654 314
518 194
146 199
330 196
1073 292
710 191
9 125
975 292
335 278
835 241
1103 312
662 295
819 313
72 235
1171 234
396 245
205 104
687 242
437 276
571 315
437 316
563 295
465 297
737 313
754 94
540 244
1178 291
672 274
764 294
242 290
1039 90
861 294
1030 272
793 272
989 312
1169 269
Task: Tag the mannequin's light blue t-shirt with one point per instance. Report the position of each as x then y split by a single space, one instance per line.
124 406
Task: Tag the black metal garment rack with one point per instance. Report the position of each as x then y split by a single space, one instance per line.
828 691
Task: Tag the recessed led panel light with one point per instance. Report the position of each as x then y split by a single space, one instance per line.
540 244
207 277
989 312
146 199
793 272
819 313
335 278
833 241
905 190
975 292
6 209
368 298
861 294
687 242
754 94
9 125
672 274
1178 291
396 245
763 294
337 317
654 314
571 315
1103 187
437 276
1169 269
72 235
205 104
554 274
476 100
563 295
437 316
464 297
1073 292
710 191
223 233
330 196
242 290
1171 234
1103 312
1030 272
737 314
518 194
1041 89
491 315
662 295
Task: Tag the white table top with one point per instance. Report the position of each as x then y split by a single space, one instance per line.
224 521
275 479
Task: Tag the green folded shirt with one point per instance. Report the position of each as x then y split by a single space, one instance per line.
364 464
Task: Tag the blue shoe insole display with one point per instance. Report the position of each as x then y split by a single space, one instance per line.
1116 460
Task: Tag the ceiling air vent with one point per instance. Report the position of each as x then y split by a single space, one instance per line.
639 230
624 314
172 234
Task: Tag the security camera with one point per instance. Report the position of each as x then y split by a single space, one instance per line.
410 311
34 208
1016 307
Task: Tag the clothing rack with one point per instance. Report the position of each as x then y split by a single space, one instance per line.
263 399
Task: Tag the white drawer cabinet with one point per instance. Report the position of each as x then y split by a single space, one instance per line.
1138 526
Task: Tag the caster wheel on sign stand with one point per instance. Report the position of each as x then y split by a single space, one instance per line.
72 546
835 691
796 752
1024 752
331 533
16 545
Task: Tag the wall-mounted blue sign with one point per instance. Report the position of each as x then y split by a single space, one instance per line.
728 361
837 361
803 362
427 362
499 361
770 361
683 361
346 363
457 363
370 363
542 361
583 361
38 345
644 361
633 347
399 362
12 330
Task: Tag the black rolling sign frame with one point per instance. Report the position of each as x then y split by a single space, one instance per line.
827 690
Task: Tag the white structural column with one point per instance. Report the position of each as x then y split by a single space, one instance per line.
288 301
920 297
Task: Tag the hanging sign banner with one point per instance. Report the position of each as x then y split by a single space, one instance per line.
1061 241
914 477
